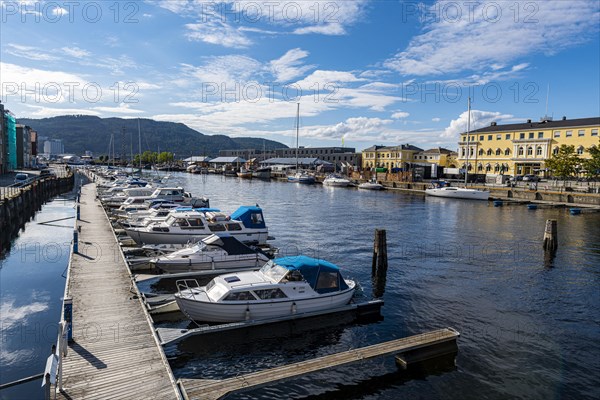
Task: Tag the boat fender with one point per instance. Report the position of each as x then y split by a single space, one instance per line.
294 308
247 313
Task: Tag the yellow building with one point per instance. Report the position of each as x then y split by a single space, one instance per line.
519 149
388 156
438 155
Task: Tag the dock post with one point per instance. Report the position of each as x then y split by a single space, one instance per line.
550 235
75 241
380 263
78 212
68 317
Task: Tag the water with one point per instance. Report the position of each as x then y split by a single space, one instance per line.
31 290
529 326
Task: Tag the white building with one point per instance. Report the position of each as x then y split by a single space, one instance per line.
54 147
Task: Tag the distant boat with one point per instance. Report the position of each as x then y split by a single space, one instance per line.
300 176
262 173
440 189
244 173
371 185
336 180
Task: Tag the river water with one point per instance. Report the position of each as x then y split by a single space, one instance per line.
529 326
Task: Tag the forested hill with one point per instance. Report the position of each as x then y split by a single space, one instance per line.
82 132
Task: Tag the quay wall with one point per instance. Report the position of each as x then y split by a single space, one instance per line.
18 207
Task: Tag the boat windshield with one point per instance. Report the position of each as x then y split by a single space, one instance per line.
274 271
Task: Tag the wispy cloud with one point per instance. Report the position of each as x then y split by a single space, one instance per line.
29 52
11 315
486 39
76 52
290 65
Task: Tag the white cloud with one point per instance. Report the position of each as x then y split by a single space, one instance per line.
478 41
321 78
351 128
400 114
289 66
59 11
228 70
29 52
218 33
436 119
10 315
122 108
76 52
479 119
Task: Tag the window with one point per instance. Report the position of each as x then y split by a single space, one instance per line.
540 135
217 228
508 136
471 152
507 152
489 152
327 281
555 151
538 151
180 222
522 135
489 137
481 137
195 223
498 137
488 168
267 294
530 151
569 133
256 218
480 152
498 152
531 134
556 133
240 296
464 139
232 226
521 151
463 151
594 132
580 150
581 132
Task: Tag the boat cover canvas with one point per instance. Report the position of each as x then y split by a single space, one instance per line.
311 268
234 247
251 217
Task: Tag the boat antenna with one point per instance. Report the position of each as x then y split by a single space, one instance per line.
468 139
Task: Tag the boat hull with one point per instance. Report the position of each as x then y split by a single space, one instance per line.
141 236
207 263
207 311
370 186
459 193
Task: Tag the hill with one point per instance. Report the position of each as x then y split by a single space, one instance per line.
83 132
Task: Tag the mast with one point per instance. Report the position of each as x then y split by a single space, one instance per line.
468 137
140 145
297 133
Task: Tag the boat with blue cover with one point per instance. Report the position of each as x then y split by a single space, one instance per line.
282 287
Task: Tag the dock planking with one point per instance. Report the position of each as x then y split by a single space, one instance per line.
193 389
114 353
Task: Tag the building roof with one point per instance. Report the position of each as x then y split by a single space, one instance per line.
438 150
394 148
197 159
292 161
530 125
227 160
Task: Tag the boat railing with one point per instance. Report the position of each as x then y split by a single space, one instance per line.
188 285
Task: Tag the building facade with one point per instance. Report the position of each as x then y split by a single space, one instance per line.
23 146
519 149
338 156
3 158
389 157
54 147
438 155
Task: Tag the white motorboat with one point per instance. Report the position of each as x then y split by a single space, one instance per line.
336 180
371 185
301 177
184 226
282 287
441 189
216 252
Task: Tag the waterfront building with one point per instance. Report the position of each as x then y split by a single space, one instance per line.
389 157
54 147
338 156
23 146
438 155
3 159
520 149
9 139
247 154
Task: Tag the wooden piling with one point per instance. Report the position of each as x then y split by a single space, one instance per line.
380 262
550 235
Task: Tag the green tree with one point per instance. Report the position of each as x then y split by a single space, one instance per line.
165 157
592 164
564 163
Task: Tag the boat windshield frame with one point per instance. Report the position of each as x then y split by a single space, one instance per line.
274 272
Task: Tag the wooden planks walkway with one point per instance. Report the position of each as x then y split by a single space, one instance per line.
211 390
115 354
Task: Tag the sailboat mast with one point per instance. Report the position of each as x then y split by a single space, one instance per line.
297 133
140 144
468 139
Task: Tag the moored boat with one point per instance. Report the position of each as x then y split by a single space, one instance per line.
441 189
282 287
371 185
336 180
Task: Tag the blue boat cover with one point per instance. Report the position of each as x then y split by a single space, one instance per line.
251 217
311 269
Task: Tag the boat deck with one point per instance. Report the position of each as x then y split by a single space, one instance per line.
115 353
207 390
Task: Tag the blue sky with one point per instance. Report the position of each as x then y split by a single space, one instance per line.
367 72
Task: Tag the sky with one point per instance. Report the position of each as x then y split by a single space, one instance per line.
364 72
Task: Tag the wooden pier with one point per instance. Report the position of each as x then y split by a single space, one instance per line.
115 352
193 389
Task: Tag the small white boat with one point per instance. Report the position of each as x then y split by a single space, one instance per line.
440 189
216 252
336 180
371 185
282 287
244 173
301 177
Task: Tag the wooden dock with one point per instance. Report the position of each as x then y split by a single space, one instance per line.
193 389
115 353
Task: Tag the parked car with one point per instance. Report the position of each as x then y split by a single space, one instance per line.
20 178
531 178
516 178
